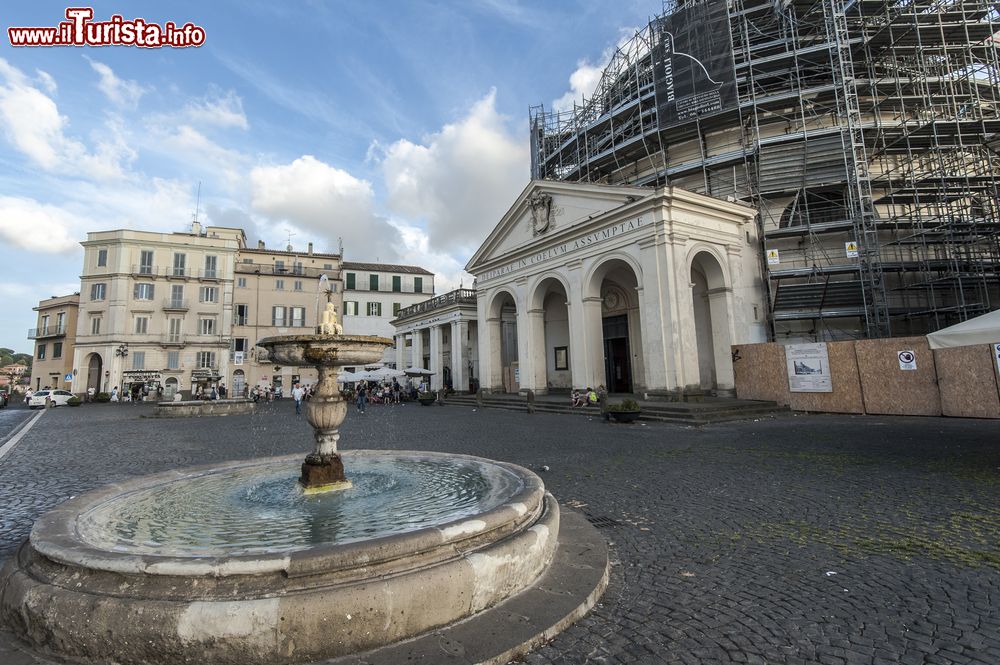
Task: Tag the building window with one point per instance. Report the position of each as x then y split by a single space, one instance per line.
180 262
298 317
397 283
206 326
206 359
95 325
209 294
241 314
396 307
98 291
279 285
175 330
57 349
143 292
350 280
373 282
211 262
418 284
241 282
41 352
177 295
350 308
297 268
297 285
138 360
141 325
173 359
279 266
374 309
327 266
102 258
146 262
278 316
60 321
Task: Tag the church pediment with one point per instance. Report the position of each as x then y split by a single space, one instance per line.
545 208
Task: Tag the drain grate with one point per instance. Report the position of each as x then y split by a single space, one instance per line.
603 522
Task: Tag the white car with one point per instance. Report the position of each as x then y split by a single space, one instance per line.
58 397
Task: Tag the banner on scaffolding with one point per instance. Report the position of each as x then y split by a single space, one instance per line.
693 63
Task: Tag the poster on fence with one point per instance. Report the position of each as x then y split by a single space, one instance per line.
808 368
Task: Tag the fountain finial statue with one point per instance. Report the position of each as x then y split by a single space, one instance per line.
328 324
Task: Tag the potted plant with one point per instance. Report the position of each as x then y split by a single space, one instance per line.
102 397
626 411
74 401
426 398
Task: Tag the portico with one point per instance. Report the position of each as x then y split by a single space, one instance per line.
635 289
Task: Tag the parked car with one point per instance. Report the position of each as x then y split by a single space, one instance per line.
58 397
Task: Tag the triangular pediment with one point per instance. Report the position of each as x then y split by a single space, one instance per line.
546 208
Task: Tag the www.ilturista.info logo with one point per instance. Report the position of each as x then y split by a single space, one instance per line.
81 30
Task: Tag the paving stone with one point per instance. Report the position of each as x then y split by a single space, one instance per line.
815 539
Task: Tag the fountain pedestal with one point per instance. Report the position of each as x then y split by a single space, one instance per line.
323 470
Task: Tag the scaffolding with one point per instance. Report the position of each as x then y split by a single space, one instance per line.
865 132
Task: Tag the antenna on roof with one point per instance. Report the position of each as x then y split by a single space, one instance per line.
340 242
290 234
197 204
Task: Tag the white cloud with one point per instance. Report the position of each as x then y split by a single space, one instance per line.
324 202
121 92
47 81
219 110
586 76
39 227
32 124
460 180
415 249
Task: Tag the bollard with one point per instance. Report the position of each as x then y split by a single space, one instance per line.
531 400
479 397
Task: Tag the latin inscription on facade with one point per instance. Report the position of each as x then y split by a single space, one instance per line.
589 240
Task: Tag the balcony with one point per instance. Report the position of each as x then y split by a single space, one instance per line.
172 339
458 296
287 271
211 275
177 273
175 304
46 331
147 271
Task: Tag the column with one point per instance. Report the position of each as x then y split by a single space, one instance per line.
417 348
459 361
683 335
655 315
401 351
490 360
593 341
437 358
577 343
537 350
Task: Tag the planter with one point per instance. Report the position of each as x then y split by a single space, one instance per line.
625 416
74 401
426 401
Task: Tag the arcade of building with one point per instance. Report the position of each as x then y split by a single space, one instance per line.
636 289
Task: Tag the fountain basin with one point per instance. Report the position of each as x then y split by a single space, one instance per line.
325 350
84 596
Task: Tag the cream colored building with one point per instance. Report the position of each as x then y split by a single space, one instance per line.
55 339
375 293
441 335
641 290
183 311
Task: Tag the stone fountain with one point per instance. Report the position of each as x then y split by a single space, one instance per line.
239 563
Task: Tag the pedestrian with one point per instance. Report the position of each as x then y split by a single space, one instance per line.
360 402
90 394
222 391
592 398
27 396
577 398
114 394
297 394
214 395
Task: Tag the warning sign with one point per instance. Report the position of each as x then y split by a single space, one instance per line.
851 247
907 360
772 257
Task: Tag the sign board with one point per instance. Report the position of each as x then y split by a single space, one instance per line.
907 360
772 257
238 357
143 375
808 368
996 354
851 247
68 377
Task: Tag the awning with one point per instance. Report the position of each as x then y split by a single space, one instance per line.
983 329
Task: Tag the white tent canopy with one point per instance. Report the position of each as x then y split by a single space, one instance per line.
417 371
983 329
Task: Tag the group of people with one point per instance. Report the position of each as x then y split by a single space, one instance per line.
377 393
589 397
270 392
134 393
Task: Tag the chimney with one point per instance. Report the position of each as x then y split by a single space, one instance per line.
310 248
196 228
260 244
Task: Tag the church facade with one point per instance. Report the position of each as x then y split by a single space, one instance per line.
636 289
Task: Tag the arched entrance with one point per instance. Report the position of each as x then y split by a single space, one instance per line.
709 296
616 282
549 313
95 371
170 388
502 319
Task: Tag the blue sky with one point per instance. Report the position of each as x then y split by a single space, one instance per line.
400 127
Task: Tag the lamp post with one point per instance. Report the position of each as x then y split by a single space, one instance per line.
121 352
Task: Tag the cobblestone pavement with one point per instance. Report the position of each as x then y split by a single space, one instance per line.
10 419
806 539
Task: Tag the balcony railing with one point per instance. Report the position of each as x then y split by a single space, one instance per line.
458 296
152 271
209 274
286 271
175 303
170 339
46 331
177 271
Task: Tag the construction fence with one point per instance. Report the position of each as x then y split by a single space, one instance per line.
899 376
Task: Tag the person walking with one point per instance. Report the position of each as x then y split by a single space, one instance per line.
362 388
297 394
